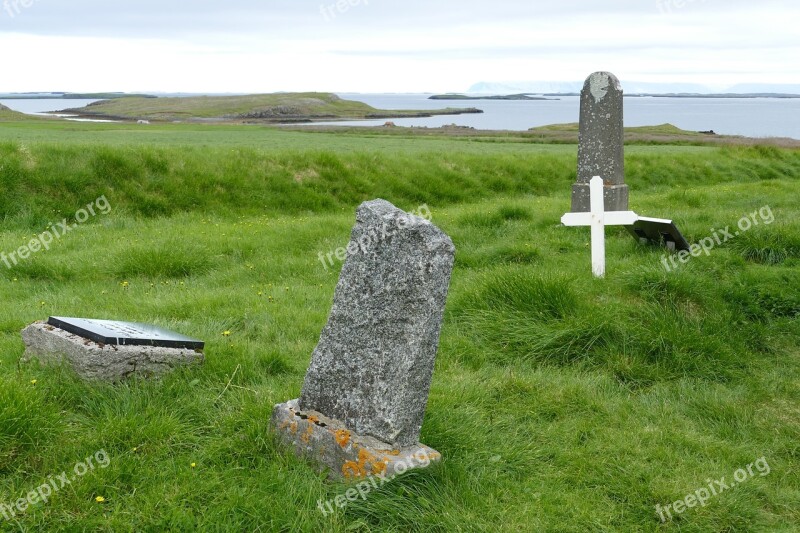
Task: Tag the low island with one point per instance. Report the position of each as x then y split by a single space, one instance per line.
281 108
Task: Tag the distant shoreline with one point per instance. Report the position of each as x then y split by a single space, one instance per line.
724 95
71 96
557 96
522 96
731 96
80 113
447 96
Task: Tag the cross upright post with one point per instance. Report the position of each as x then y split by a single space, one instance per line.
598 218
597 211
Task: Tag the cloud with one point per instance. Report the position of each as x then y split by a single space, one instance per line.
167 18
385 45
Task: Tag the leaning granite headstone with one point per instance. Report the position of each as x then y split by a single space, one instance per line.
109 350
601 143
365 393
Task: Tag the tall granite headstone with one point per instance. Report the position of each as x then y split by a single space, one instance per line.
364 396
600 144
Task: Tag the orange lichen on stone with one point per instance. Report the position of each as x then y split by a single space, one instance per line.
389 452
379 467
342 437
307 435
364 456
293 428
352 469
313 419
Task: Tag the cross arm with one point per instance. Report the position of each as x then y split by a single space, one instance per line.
610 218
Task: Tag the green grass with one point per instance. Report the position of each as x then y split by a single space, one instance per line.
559 402
26 128
7 114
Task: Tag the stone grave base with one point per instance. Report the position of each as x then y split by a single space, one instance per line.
93 361
327 443
615 198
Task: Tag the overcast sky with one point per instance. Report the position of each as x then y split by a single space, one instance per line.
389 45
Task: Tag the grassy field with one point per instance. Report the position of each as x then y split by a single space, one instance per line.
559 402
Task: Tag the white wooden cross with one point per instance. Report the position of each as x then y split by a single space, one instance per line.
598 219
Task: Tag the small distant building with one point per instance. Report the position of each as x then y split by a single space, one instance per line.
143 122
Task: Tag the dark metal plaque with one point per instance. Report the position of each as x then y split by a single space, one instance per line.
124 333
660 232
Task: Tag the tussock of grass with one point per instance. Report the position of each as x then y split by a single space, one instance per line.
661 327
167 259
773 245
25 420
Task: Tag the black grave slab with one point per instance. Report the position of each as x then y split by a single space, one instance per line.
125 333
660 232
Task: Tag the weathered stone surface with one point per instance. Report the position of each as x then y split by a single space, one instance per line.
329 444
373 365
601 143
93 361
